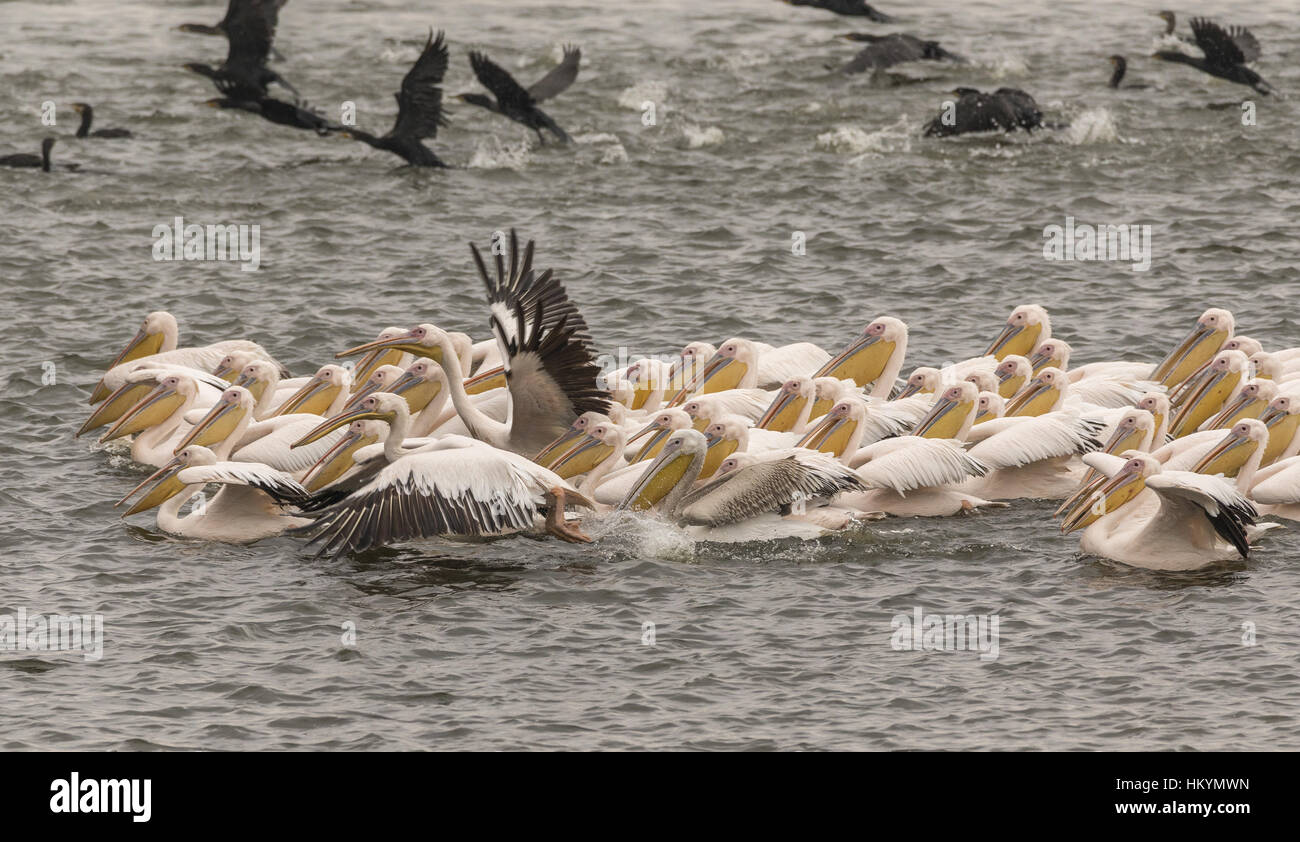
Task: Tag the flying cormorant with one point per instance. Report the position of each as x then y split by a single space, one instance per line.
855 8
1227 52
419 109
520 105
887 50
251 29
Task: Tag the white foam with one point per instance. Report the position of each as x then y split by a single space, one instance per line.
698 136
494 155
1094 125
633 98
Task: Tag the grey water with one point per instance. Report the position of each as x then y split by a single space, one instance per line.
663 233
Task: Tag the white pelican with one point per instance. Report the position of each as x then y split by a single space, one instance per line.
1250 402
751 498
158 419
910 476
1156 519
1218 386
1012 373
1277 489
990 405
597 451
1135 431
550 367
325 393
660 427
649 379
791 409
1105 384
1157 403
1213 329
379 356
1026 327
138 383
1282 416
848 427
248 507
874 359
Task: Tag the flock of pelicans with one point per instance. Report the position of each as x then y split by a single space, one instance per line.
1164 465
244 81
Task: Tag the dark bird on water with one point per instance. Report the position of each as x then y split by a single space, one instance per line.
419 109
1227 52
28 160
1170 22
297 116
855 8
1006 109
87 116
1121 67
222 28
520 105
884 51
251 29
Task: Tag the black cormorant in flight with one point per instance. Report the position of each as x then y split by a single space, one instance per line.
419 109
856 8
251 29
1227 52
1121 67
887 50
294 115
233 10
28 160
87 116
1006 109
520 105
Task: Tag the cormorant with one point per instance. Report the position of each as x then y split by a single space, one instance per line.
518 104
26 159
1227 51
419 109
87 115
297 116
1170 21
855 8
887 50
251 29
1006 109
233 10
1121 67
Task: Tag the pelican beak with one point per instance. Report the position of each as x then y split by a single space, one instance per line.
1093 480
640 394
1205 401
371 361
862 362
486 381
720 374
156 408
1243 406
117 405
656 443
1196 350
226 372
1124 439
329 425
1038 362
783 413
582 457
141 345
404 342
1121 488
830 436
944 420
1009 384
1015 339
255 385
909 389
663 475
337 460
1227 457
1282 428
215 427
1036 399
418 390
719 449
559 447
314 398
168 485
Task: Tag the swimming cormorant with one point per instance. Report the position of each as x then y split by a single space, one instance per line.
419 109
87 115
1006 109
855 8
887 50
1227 51
1121 67
26 159
251 29
518 104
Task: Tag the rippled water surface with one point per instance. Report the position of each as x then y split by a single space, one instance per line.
663 234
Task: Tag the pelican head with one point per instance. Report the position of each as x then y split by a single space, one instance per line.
990 405
1013 373
660 427
380 380
1244 344
648 378
669 476
1246 439
792 404
599 443
341 457
232 365
320 393
952 415
1027 325
1283 419
1157 403
734 366
577 430
728 434
1212 329
1045 393
421 382
1250 402
840 431
1126 484
1051 352
424 340
878 349
702 409
379 406
172 394
157 333
259 377
1134 431
683 371
827 392
167 482
231 413
735 462
924 381
1265 365
1220 383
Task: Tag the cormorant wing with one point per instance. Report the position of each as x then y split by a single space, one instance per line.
250 30
419 102
886 52
503 86
1219 46
560 77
